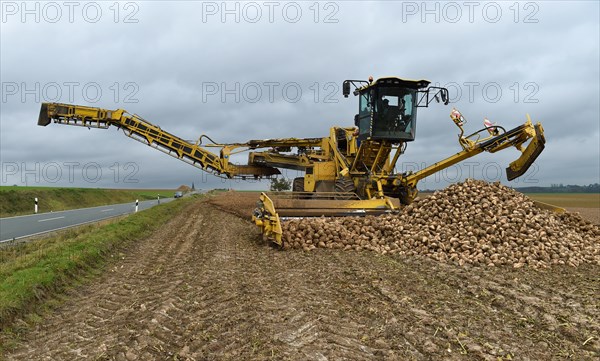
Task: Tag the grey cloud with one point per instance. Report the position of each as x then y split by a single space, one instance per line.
170 53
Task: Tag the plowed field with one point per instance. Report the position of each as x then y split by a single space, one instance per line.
206 287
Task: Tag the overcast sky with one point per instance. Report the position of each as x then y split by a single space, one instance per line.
253 70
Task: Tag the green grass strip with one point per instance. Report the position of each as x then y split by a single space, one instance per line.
16 201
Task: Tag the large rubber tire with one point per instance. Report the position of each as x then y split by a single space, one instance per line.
298 185
344 185
408 195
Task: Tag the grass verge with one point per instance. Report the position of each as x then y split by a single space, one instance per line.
15 201
31 273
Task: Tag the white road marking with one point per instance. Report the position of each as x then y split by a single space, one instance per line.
50 219
107 210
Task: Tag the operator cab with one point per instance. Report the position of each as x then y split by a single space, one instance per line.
388 107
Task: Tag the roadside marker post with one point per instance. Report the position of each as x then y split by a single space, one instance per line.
136 205
35 208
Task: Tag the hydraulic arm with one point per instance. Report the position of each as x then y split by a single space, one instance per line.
495 142
143 131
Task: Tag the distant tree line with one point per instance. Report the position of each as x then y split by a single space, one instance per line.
561 188
554 188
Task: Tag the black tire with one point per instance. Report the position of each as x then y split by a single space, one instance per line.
298 185
344 185
408 195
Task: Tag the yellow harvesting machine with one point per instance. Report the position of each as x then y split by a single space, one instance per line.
349 172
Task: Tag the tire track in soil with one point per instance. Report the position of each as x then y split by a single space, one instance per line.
98 320
205 287
202 287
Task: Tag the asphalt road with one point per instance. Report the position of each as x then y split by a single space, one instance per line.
25 226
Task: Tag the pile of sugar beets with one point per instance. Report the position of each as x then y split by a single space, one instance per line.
473 222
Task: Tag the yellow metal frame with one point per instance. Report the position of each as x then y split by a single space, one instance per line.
370 166
550 207
271 209
372 161
269 221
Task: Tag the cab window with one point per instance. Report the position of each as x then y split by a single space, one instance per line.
365 105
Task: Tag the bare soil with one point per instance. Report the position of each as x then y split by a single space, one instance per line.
238 203
206 287
591 214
